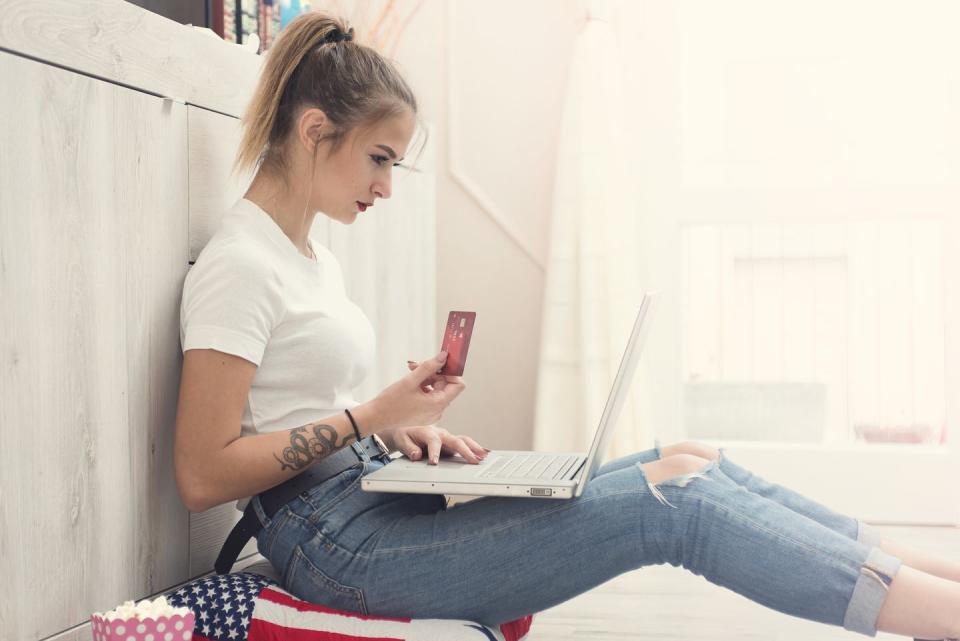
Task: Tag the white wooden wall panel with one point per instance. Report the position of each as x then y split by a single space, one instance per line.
120 42
109 191
93 252
211 138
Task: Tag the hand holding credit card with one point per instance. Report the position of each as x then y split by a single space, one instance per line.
456 342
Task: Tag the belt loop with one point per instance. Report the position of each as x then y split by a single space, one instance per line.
361 453
259 511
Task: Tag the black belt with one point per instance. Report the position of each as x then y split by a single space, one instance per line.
249 525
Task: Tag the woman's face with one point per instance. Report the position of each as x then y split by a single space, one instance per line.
361 171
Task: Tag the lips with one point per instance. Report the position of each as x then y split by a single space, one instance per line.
362 205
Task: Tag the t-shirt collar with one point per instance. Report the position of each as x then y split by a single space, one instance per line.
272 230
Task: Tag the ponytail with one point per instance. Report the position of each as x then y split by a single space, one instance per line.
315 62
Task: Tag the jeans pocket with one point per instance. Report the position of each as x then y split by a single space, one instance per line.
306 581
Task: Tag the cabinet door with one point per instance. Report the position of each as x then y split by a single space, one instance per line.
93 253
213 139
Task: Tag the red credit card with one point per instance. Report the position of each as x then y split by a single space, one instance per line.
456 341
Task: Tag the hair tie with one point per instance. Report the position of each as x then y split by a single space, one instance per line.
337 35
356 430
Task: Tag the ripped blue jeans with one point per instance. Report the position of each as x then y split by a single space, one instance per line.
496 559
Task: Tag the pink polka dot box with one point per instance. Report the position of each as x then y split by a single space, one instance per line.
177 627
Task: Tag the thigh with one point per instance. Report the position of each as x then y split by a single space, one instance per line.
498 558
313 540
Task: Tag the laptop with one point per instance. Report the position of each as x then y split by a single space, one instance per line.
544 475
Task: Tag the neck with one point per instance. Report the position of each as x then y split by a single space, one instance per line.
287 210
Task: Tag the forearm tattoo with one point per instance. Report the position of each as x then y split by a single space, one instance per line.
305 449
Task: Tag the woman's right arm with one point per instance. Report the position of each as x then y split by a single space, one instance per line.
213 464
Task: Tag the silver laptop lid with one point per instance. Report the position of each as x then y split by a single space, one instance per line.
618 393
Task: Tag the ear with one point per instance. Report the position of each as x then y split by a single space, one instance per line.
311 125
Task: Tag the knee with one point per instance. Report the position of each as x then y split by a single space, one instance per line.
691 447
672 466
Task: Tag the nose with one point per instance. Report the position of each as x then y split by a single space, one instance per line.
383 188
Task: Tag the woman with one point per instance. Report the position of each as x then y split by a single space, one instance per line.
271 341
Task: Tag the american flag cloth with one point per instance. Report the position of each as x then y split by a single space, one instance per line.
245 606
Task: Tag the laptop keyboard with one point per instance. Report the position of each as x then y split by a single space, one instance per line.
530 466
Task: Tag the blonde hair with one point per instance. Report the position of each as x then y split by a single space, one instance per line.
316 63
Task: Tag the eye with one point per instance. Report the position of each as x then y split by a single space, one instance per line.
382 159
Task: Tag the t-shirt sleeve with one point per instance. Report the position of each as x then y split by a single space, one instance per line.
230 303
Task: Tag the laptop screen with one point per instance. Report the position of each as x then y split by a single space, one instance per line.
620 389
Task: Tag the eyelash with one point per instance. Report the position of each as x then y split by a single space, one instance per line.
382 159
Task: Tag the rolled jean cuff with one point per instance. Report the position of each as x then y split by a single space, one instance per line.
867 534
870 591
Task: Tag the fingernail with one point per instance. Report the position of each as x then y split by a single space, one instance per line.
443 356
434 459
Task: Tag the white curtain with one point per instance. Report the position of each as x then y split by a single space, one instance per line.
593 282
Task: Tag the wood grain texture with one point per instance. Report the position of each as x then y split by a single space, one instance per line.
93 245
108 193
119 41
212 140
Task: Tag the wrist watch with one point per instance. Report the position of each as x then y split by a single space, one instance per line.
379 441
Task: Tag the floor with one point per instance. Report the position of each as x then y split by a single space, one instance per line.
663 602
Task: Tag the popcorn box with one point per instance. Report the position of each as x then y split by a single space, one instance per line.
165 628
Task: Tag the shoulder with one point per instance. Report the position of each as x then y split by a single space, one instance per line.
237 261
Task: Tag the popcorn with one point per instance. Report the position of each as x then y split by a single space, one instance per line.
145 621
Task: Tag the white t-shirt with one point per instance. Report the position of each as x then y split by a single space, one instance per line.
251 293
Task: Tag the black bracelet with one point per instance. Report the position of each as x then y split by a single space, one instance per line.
354 423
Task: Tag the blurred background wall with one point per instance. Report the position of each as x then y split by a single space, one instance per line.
792 168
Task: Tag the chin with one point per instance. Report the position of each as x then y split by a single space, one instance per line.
344 219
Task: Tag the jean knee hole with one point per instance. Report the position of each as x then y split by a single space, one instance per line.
683 479
678 480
